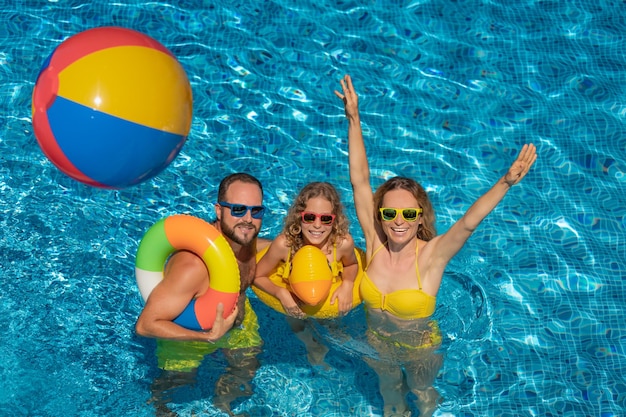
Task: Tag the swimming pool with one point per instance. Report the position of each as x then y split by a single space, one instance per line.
532 309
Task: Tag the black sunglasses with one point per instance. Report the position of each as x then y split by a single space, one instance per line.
240 210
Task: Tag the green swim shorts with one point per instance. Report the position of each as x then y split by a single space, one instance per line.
179 356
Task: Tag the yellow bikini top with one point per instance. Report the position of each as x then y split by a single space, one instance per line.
284 268
404 304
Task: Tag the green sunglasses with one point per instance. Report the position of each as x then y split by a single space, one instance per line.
389 214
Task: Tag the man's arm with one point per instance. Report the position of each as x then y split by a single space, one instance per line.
185 278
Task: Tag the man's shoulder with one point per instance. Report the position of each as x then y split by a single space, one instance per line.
185 265
185 256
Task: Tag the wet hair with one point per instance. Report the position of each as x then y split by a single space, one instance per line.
427 230
293 226
230 179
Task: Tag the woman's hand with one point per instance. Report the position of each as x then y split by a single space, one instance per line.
526 158
349 98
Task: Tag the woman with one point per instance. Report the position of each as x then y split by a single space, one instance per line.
405 264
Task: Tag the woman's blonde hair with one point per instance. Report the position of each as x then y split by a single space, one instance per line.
293 228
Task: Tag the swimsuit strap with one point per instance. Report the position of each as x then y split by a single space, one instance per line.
374 254
417 270
335 267
287 266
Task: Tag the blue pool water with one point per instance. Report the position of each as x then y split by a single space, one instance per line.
531 310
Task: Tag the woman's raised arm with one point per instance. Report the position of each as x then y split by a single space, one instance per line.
454 239
357 157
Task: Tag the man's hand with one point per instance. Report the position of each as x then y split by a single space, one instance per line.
222 325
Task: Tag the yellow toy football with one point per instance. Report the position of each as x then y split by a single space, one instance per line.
311 276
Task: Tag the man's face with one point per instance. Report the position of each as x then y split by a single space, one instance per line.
241 230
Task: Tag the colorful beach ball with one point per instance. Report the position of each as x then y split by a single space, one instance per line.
112 107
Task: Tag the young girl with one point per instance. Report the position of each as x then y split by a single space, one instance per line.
405 262
315 218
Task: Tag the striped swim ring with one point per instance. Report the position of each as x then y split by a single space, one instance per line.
184 232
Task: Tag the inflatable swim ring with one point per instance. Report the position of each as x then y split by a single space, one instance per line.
184 232
323 309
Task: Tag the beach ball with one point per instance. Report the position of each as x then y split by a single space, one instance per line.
311 277
112 107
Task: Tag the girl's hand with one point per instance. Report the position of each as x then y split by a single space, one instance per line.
289 304
343 295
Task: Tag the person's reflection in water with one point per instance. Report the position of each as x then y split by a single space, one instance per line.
180 361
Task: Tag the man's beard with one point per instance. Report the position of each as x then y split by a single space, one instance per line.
230 233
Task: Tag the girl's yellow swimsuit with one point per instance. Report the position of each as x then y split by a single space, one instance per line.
323 310
404 304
